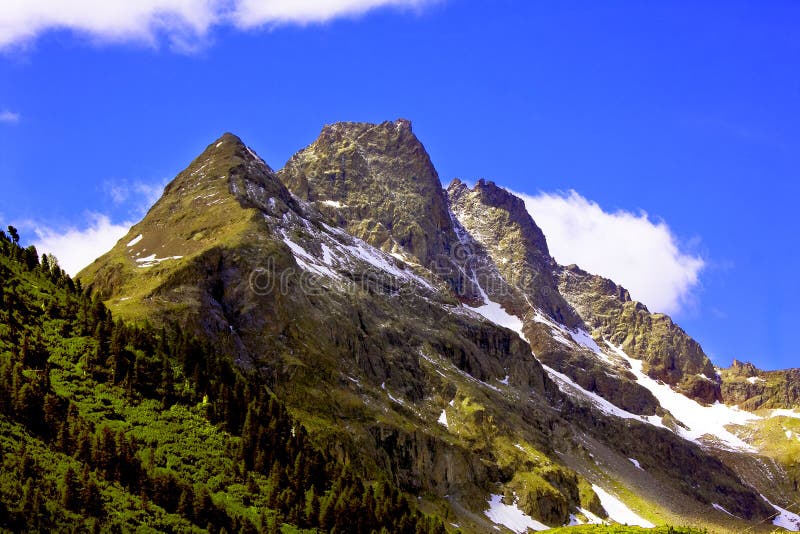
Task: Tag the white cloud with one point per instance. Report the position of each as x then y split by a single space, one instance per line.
181 22
9 116
638 253
250 13
114 20
76 248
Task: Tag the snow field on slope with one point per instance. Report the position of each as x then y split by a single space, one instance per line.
340 253
566 384
496 314
511 517
700 420
785 518
618 510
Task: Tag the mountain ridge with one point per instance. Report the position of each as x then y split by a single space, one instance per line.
390 311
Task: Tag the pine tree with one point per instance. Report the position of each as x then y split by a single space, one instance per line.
203 505
14 234
27 502
311 508
186 503
70 490
90 494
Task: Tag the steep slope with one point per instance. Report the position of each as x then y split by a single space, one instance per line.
106 427
378 183
394 366
669 354
634 363
340 330
501 223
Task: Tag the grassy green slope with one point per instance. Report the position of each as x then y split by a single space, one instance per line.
109 427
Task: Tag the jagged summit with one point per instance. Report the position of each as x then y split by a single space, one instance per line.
355 128
746 369
490 194
499 221
378 182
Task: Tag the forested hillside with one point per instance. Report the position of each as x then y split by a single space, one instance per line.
114 427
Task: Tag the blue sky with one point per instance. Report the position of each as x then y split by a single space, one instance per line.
675 125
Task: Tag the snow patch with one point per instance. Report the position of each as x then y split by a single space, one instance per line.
754 379
135 240
371 255
149 261
256 156
785 518
327 257
511 517
443 420
701 420
334 204
591 518
307 261
583 338
496 314
636 463
569 337
394 399
789 434
566 384
618 511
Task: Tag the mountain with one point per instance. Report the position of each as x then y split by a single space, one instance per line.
426 336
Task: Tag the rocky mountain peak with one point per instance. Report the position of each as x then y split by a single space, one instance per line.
499 221
399 127
378 182
399 377
493 195
745 369
226 155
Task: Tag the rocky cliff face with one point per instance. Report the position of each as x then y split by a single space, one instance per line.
752 389
370 300
500 223
668 353
378 182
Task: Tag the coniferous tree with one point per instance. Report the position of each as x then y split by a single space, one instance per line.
70 492
14 234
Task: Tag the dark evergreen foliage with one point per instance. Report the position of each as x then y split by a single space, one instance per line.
305 487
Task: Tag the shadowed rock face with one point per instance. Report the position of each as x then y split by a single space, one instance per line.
500 222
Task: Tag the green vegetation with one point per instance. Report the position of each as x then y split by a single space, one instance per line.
110 427
618 529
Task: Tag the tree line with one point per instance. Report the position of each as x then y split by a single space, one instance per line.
302 486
